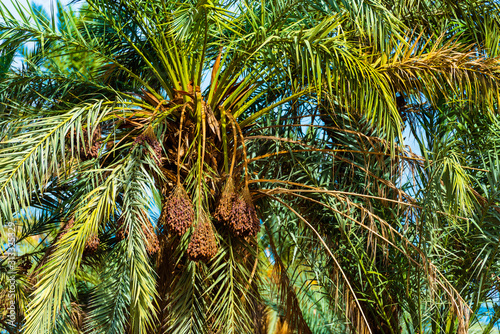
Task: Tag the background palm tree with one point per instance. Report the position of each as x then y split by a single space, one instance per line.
221 167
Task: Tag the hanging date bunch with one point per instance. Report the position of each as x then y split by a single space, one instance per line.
203 245
121 232
152 243
67 226
148 137
237 212
25 264
91 245
204 149
150 238
243 220
177 213
91 144
223 211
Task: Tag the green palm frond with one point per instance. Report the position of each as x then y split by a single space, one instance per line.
98 206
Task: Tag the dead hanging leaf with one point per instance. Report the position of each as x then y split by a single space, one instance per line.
183 93
190 87
149 98
186 142
212 121
152 100
180 93
181 152
215 69
170 176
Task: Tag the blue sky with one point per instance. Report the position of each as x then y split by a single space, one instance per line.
45 3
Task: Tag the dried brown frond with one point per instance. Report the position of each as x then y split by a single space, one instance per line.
261 318
287 294
77 315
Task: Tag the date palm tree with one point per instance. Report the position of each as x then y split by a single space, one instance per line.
239 166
